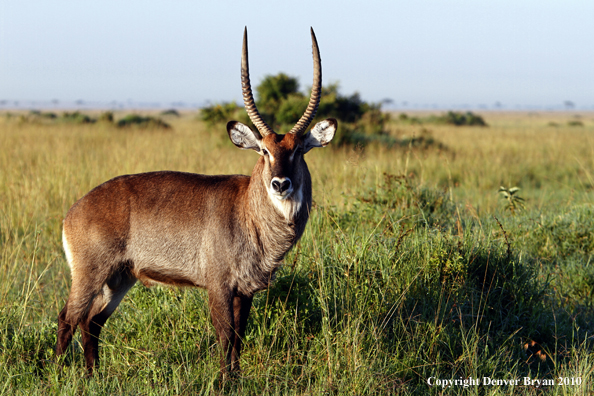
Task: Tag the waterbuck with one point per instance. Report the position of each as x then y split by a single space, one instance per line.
226 233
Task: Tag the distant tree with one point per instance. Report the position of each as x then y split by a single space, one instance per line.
272 91
290 109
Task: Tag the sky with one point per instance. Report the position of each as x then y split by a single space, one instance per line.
440 54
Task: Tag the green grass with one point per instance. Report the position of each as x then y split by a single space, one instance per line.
410 266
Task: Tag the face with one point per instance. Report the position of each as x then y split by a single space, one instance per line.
283 169
284 166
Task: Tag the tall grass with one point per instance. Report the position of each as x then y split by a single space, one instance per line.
410 267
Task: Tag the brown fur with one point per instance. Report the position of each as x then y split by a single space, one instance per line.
221 233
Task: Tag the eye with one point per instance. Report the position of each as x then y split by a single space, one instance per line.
265 152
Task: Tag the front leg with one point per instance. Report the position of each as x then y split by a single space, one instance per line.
241 310
220 302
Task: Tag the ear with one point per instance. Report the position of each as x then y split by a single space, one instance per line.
320 135
243 137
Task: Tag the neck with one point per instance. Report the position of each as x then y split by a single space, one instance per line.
278 224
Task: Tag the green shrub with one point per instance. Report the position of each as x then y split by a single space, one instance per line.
403 118
218 113
76 117
424 141
106 116
48 118
290 110
170 112
459 119
39 117
570 234
48 115
575 123
449 118
272 91
137 121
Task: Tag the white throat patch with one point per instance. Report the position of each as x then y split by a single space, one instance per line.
289 206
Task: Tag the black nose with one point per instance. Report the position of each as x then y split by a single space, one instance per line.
281 186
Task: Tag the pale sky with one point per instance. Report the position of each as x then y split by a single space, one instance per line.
444 53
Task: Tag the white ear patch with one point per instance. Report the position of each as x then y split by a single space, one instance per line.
320 135
242 136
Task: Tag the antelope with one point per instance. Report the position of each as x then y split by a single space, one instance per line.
227 234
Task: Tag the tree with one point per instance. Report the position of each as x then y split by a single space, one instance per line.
272 91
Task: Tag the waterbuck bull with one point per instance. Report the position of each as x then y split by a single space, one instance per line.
226 233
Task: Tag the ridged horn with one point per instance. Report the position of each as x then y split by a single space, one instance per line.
248 97
316 91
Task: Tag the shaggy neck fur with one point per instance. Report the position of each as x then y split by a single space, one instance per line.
275 227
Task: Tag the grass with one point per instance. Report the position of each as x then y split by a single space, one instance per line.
410 267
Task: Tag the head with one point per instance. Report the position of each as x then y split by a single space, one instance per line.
283 154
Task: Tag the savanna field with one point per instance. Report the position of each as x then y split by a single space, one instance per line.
414 266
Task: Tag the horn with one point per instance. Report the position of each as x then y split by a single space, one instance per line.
246 88
316 91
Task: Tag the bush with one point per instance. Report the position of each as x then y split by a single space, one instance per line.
405 119
450 118
48 118
290 110
76 118
170 112
575 123
106 117
218 113
134 120
455 118
49 115
272 91
39 117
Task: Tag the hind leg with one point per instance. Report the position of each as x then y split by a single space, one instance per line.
90 329
82 295
65 331
86 285
103 306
